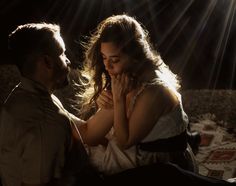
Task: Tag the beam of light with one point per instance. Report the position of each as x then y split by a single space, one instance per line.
192 42
138 8
175 37
78 8
159 11
54 10
66 15
154 13
232 79
87 9
104 5
70 12
62 12
176 21
222 43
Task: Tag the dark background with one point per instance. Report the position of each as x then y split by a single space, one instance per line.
196 38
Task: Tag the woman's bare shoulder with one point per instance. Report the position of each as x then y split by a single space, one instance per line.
162 94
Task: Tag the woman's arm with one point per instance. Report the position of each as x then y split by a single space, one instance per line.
148 108
150 105
94 130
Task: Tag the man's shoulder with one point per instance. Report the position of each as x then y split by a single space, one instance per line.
20 99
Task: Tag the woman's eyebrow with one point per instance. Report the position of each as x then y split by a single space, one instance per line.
115 55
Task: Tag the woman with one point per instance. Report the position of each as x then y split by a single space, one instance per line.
149 123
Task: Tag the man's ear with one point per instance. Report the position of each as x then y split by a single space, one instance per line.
48 62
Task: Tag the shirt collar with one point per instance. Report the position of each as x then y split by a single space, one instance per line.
32 86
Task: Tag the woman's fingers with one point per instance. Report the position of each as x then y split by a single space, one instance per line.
126 82
103 105
105 100
121 85
107 97
107 94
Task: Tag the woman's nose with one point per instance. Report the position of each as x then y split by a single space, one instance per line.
107 64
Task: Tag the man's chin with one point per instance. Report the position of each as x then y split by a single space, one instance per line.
63 84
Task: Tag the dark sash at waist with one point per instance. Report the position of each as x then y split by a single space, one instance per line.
172 144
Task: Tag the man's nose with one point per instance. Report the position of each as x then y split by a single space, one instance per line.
68 62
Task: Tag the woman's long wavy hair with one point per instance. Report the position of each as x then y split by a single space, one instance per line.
133 39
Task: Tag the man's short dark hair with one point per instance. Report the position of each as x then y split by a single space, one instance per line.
32 40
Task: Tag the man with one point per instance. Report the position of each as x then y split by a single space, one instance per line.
35 129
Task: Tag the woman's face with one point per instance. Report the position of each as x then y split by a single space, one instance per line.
114 60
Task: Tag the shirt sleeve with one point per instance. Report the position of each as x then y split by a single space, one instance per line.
18 146
76 120
31 157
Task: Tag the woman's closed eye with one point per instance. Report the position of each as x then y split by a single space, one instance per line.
114 60
111 60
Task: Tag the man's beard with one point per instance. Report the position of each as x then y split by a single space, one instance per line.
61 83
61 77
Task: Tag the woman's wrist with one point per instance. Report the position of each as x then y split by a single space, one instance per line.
119 100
